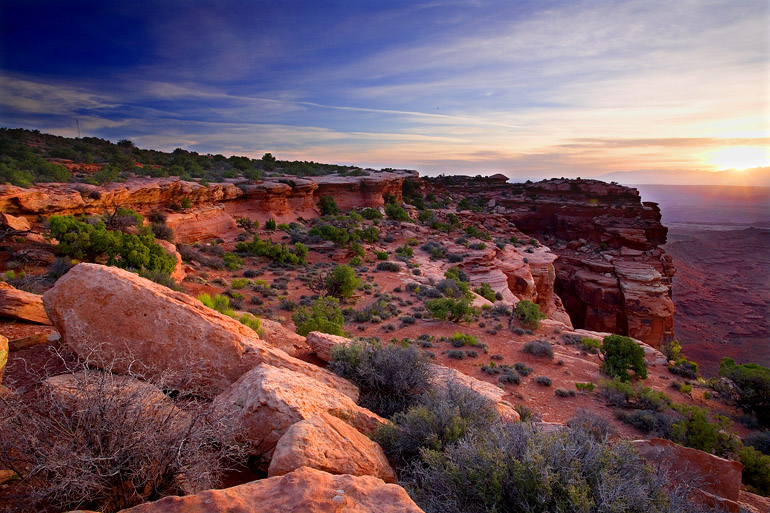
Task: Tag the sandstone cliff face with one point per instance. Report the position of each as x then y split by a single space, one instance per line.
610 273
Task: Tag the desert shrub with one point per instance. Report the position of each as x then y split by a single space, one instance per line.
649 399
501 310
161 231
355 261
560 392
396 212
342 282
522 368
453 258
588 421
274 251
756 470
440 418
621 354
270 225
694 429
515 467
239 283
539 348
323 315
477 246
81 241
451 288
185 202
369 234
752 386
590 345
379 310
110 442
434 249
543 380
486 292
391 378
388 266
462 339
370 214
585 387
684 368
233 261
357 249
221 304
405 251
381 255
456 354
617 392
339 236
760 441
528 313
455 310
328 206
646 421
59 267
509 375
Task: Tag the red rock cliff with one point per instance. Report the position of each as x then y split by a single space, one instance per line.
611 275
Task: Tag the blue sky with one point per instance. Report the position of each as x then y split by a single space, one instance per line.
528 88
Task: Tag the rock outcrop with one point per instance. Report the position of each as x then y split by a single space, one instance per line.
22 306
611 273
305 490
16 224
3 356
711 474
113 317
325 442
441 377
268 400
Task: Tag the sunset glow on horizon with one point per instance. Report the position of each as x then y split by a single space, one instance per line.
626 90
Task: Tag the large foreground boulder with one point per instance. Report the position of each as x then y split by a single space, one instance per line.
21 306
115 318
305 490
267 401
327 443
275 334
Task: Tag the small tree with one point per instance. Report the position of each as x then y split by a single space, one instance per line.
528 314
342 282
621 354
328 206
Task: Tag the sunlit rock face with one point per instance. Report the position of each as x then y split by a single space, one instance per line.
610 274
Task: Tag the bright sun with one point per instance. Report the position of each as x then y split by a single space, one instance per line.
738 157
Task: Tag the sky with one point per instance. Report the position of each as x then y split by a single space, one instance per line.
641 90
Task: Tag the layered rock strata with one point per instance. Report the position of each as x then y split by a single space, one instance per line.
611 273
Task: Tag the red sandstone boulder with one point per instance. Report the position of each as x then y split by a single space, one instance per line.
22 306
323 343
211 222
268 401
711 474
326 443
114 317
179 272
275 334
18 224
305 490
3 355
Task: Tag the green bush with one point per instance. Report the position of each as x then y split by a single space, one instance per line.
756 470
232 261
324 315
405 251
391 378
752 383
528 314
221 304
270 225
486 292
455 310
621 354
694 429
396 212
328 206
357 249
462 339
84 241
370 214
342 282
381 255
274 251
585 387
